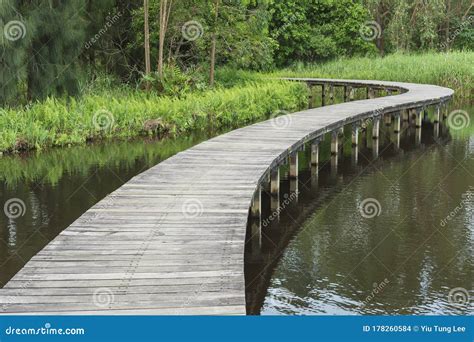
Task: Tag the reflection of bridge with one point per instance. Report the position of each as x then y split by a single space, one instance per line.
172 239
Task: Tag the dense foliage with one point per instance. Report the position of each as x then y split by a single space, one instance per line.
125 113
317 30
49 46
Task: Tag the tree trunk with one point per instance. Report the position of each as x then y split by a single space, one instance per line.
213 47
448 10
380 43
165 9
147 43
161 41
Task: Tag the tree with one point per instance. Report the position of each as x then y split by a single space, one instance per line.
317 30
213 45
14 37
54 48
147 42
165 10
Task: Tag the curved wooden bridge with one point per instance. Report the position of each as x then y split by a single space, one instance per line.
172 239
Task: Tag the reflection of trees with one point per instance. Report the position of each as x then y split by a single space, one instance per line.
50 166
58 186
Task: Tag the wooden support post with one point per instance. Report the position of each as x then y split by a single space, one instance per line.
370 93
294 187
388 119
376 128
334 162
310 97
437 114
389 92
331 94
256 237
256 207
355 155
375 148
445 110
346 93
411 114
275 190
314 177
363 136
275 181
323 95
406 114
355 134
419 118
294 165
334 142
341 136
436 130
418 136
397 123
315 153
351 94
396 140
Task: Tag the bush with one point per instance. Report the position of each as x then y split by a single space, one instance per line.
125 113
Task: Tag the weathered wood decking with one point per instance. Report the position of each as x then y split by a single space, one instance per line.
171 240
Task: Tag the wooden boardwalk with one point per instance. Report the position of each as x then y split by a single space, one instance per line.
171 240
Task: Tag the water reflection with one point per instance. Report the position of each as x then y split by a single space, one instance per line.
58 186
323 257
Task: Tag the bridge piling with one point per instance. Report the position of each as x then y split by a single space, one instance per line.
315 153
294 165
334 142
355 134
376 128
396 125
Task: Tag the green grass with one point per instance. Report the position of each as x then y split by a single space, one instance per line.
454 70
242 97
120 113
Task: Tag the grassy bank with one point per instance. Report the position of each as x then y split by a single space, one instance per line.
241 98
454 70
125 113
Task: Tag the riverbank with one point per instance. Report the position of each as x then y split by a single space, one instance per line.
119 113
240 99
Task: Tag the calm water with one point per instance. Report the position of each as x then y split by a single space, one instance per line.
324 257
58 186
320 256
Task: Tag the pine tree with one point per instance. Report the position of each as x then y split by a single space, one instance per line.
13 41
58 32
